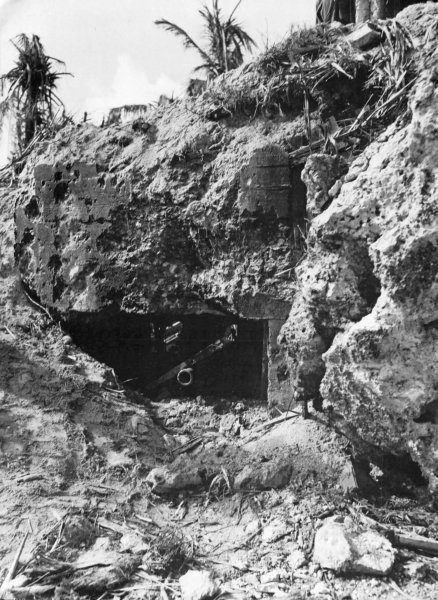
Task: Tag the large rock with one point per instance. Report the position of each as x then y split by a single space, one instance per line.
362 332
343 547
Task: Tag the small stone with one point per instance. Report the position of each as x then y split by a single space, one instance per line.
270 588
227 424
263 476
174 478
131 542
274 560
364 37
347 479
273 576
274 530
250 579
102 543
376 473
198 585
296 560
252 527
320 589
345 548
415 569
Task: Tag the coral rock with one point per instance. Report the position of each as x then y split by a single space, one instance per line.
345 548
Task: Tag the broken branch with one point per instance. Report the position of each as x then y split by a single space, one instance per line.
10 574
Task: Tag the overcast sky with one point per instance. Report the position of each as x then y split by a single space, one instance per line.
116 53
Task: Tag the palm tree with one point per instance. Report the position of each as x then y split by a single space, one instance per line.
32 84
226 40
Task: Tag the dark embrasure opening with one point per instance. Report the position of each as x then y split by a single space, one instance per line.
142 349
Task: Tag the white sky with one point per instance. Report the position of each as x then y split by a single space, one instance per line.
116 53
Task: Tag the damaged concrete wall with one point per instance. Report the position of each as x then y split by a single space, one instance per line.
123 218
147 225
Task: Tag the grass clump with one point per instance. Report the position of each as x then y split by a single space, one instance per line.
169 554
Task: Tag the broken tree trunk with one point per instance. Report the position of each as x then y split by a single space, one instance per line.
363 10
378 9
415 542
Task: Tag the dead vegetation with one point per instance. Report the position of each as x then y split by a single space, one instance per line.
320 73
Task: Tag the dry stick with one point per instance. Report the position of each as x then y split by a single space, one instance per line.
223 562
30 477
10 574
113 391
271 423
244 543
398 589
388 101
418 542
190 445
32 591
58 537
9 331
38 305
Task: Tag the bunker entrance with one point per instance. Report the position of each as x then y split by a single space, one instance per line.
179 355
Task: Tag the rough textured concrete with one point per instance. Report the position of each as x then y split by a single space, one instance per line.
144 224
152 220
320 173
267 185
363 328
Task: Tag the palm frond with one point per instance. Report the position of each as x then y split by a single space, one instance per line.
225 39
189 42
32 82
